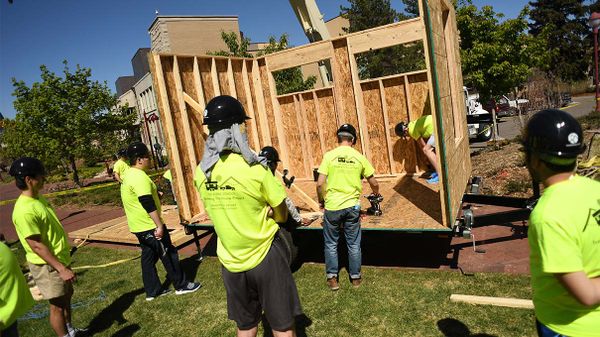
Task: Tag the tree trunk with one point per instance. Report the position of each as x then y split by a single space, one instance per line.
74 168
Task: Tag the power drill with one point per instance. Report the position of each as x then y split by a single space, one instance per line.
375 200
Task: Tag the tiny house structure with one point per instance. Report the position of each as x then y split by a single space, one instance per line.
302 125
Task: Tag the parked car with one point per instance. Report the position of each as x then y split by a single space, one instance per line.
506 107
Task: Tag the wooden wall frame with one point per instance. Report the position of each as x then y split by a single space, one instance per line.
302 125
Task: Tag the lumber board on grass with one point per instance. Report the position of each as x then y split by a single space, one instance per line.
497 301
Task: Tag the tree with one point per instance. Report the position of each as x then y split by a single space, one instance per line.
64 118
237 47
365 14
496 56
566 40
287 80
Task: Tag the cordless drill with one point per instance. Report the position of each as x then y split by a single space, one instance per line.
375 200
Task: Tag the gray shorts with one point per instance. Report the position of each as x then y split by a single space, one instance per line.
269 286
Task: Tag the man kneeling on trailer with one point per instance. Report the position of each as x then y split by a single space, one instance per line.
238 192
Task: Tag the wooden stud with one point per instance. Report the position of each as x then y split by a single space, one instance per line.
408 99
306 148
283 148
230 79
497 301
305 197
200 91
360 105
168 119
310 53
260 103
319 122
215 77
187 132
404 32
386 122
250 103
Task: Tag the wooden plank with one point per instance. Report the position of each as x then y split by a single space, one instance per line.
328 119
200 92
314 205
221 66
388 77
319 127
310 53
403 149
373 114
196 205
344 88
214 76
496 301
360 106
386 126
230 80
404 32
250 107
172 147
303 121
291 136
205 68
260 102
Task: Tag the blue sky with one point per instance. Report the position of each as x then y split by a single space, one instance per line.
104 35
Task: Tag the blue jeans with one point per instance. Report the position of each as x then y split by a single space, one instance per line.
348 220
544 331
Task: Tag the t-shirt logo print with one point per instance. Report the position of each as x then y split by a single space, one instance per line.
214 186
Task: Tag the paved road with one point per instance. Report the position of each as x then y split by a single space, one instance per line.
510 127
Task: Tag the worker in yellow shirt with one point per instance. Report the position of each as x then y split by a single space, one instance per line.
120 167
421 130
142 208
564 229
339 187
239 192
15 297
43 238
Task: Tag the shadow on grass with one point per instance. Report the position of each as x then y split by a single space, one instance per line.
451 327
114 313
127 331
302 322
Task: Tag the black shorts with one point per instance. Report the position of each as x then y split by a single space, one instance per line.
269 286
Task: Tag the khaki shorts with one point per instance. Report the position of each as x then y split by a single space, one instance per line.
48 280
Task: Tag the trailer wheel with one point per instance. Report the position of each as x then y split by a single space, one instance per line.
485 132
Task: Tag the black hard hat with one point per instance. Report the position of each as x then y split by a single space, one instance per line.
137 150
347 130
554 134
27 166
401 129
270 153
224 111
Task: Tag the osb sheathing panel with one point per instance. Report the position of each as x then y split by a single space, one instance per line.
223 81
313 127
376 129
259 130
344 90
186 68
403 149
204 64
293 136
330 123
264 79
174 105
245 98
420 104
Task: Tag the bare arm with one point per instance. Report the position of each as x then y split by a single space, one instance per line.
321 188
586 290
280 212
118 177
374 184
35 242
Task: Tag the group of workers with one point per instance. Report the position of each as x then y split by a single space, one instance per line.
246 204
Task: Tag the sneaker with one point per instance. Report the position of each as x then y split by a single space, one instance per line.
333 283
433 180
189 288
77 332
162 293
356 282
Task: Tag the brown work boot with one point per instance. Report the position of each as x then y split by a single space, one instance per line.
333 283
356 282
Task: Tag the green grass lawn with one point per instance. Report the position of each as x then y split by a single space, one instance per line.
391 302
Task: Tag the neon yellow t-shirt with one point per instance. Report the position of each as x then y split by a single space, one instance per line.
36 217
136 184
15 297
421 128
564 237
237 199
167 175
344 167
121 168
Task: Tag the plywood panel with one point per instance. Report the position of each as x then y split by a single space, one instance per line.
269 109
344 90
403 151
313 127
204 65
376 129
243 94
329 122
186 68
420 101
292 136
